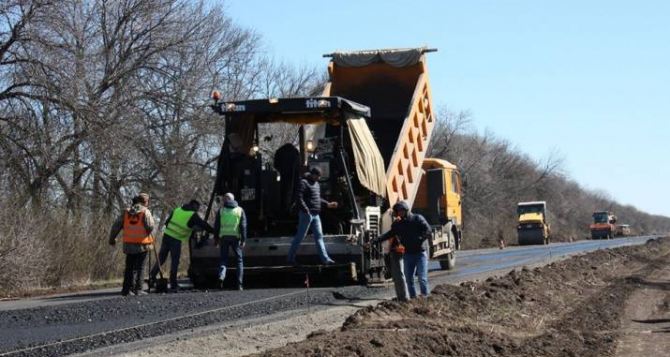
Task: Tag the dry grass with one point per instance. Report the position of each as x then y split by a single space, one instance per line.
54 250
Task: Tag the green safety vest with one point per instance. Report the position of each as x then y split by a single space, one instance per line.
230 222
177 227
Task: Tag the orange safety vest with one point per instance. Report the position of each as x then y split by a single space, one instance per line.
134 231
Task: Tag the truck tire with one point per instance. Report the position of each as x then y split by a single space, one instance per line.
449 263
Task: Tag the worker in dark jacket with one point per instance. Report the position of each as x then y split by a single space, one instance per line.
181 222
309 201
413 231
231 233
137 225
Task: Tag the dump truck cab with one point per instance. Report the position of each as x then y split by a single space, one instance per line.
603 226
439 201
533 227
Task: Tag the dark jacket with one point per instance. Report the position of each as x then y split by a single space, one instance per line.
413 231
195 222
243 221
308 196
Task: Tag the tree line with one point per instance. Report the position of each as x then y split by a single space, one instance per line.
102 99
497 175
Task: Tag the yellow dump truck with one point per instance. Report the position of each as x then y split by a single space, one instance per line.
533 227
368 133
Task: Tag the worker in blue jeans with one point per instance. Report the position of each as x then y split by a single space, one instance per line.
309 201
231 233
413 231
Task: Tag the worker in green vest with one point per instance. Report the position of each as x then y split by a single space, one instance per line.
231 233
181 222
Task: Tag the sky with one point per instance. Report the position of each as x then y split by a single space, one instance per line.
589 79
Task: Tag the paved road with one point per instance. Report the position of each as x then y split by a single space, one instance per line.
66 324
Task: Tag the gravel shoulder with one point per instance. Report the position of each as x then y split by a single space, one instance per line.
242 338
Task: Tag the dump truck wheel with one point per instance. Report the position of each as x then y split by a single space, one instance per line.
449 263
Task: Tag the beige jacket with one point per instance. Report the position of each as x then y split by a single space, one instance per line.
117 227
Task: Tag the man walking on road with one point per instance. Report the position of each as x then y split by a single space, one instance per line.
413 230
309 203
231 233
137 225
181 222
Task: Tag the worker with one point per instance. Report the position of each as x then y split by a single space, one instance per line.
309 201
501 239
181 222
413 230
396 253
230 230
137 225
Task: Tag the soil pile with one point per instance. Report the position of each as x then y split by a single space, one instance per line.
568 308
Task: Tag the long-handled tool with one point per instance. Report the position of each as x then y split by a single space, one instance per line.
161 284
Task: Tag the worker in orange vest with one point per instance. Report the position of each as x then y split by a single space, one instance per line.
137 225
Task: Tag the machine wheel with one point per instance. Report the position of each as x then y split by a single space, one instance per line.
449 263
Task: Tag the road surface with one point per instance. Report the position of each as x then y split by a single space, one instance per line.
77 323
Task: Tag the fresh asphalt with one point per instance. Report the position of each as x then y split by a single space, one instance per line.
74 323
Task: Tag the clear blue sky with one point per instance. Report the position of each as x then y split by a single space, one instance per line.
587 78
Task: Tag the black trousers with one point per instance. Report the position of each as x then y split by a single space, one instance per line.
172 247
132 277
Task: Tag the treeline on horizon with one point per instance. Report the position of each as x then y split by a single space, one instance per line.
102 100
497 175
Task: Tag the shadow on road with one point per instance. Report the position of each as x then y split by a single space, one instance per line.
74 296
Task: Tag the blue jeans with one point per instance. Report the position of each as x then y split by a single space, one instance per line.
416 264
228 243
305 222
173 247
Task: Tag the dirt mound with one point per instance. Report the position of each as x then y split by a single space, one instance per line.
569 308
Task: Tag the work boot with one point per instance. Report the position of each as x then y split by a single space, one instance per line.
240 287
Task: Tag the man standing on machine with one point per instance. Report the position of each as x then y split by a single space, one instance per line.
309 201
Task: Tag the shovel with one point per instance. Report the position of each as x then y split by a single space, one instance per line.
161 285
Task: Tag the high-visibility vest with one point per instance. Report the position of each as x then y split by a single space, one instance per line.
230 222
133 229
177 227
